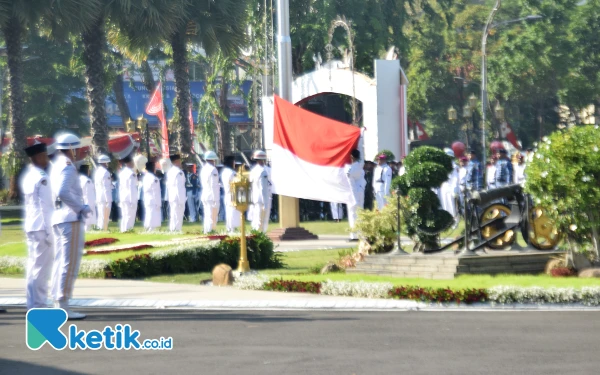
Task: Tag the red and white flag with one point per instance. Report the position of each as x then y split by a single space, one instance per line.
507 133
310 153
156 108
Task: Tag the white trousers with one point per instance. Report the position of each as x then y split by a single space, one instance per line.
210 217
39 268
380 198
191 202
353 211
337 211
152 217
68 249
233 218
260 217
103 210
176 211
128 211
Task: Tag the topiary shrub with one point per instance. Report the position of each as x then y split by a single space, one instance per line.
426 168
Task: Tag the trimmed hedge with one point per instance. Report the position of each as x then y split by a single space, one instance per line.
430 154
198 258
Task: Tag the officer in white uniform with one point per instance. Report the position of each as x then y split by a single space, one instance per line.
382 180
67 222
211 194
89 194
37 196
356 179
450 189
176 194
103 184
261 192
152 200
519 168
128 194
232 216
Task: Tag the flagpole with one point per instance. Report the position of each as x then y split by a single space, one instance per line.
289 208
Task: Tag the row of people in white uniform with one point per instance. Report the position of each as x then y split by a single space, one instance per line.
176 195
453 188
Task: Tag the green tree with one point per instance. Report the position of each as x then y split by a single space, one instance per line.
53 88
141 22
17 17
563 178
215 26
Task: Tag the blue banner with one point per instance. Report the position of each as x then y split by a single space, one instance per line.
138 97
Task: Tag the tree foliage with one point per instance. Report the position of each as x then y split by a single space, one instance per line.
563 177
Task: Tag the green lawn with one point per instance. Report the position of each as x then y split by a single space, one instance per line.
12 238
301 265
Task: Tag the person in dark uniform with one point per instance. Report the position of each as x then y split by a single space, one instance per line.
369 193
191 191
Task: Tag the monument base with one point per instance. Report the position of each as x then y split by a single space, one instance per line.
291 234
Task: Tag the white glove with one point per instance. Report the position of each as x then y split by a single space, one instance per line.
86 211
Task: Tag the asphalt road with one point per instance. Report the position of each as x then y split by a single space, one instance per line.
305 342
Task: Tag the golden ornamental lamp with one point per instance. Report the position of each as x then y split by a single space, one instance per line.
452 115
499 111
240 198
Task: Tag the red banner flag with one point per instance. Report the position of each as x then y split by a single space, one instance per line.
156 108
421 133
507 133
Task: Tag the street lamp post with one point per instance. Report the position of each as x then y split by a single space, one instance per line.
486 31
240 195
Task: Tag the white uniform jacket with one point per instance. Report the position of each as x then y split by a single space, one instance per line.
260 185
227 175
66 191
103 185
151 187
382 179
209 179
128 191
38 203
356 179
176 186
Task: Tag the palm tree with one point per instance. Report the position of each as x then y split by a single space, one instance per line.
141 21
16 16
219 25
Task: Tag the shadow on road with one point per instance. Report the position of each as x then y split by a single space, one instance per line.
17 315
11 367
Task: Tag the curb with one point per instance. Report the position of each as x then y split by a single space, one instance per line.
307 305
292 304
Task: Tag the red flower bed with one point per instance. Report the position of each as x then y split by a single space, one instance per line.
416 293
131 248
293 286
100 242
562 272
